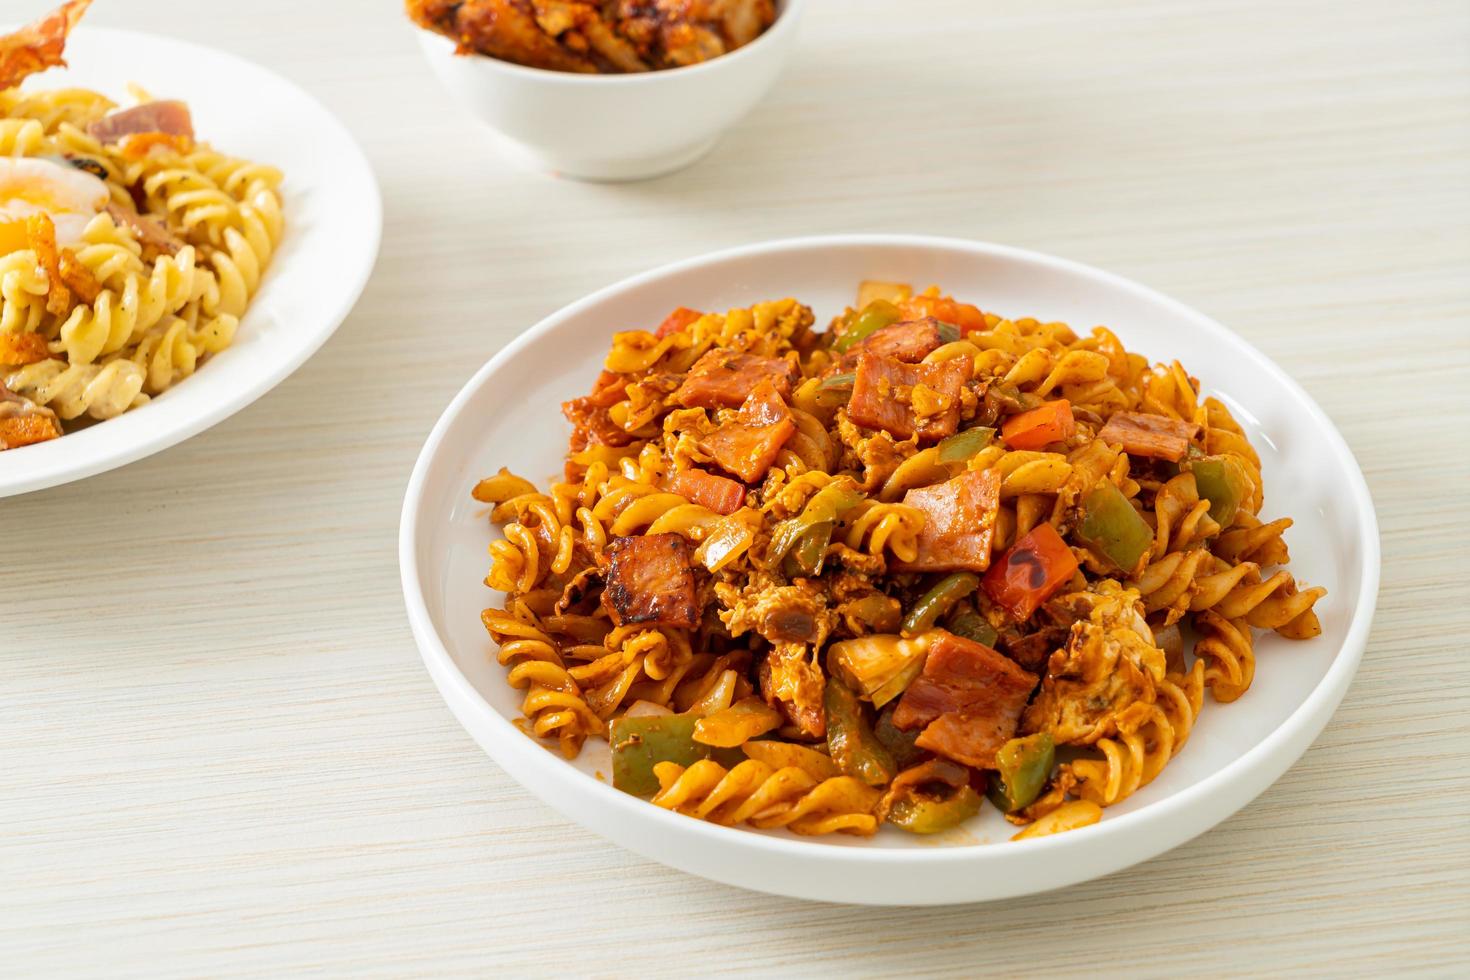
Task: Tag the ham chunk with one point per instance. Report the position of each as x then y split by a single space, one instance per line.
748 444
721 495
155 238
968 700
167 117
724 379
1143 434
908 399
650 580
910 342
959 523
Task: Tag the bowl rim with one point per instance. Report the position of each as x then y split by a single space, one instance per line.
788 13
1306 720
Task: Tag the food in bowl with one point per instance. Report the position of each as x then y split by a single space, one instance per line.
824 580
601 37
128 249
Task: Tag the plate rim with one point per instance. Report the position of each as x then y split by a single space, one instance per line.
265 381
1274 754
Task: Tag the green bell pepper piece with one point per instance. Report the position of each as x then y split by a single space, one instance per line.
639 743
1224 483
961 446
825 507
835 391
851 741
806 556
900 744
873 317
973 626
1022 766
930 815
938 601
1112 529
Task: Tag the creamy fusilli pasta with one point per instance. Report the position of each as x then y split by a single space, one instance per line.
128 250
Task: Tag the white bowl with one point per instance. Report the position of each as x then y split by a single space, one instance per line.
333 223
508 416
614 127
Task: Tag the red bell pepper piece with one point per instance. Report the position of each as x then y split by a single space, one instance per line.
946 309
677 320
1052 422
1031 571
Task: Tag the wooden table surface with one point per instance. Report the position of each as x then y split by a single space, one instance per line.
221 752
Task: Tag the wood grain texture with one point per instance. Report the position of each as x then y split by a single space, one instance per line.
222 756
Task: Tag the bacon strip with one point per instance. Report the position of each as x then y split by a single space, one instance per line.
722 379
886 393
167 117
650 580
910 341
959 523
721 495
749 444
1145 434
969 701
38 45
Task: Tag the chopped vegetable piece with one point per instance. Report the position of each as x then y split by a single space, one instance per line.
782 755
899 743
940 598
931 797
1022 767
806 556
850 739
1224 483
732 726
969 699
893 292
908 399
1144 434
725 379
1040 427
677 320
834 391
651 580
973 626
961 446
727 540
1112 529
964 316
879 665
826 506
1031 571
873 317
719 494
639 743
748 445
959 523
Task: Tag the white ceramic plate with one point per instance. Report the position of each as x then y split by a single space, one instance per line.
508 415
333 223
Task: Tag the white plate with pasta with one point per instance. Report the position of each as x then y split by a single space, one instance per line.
758 796
170 247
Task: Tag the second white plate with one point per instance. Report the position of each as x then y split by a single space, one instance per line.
333 226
